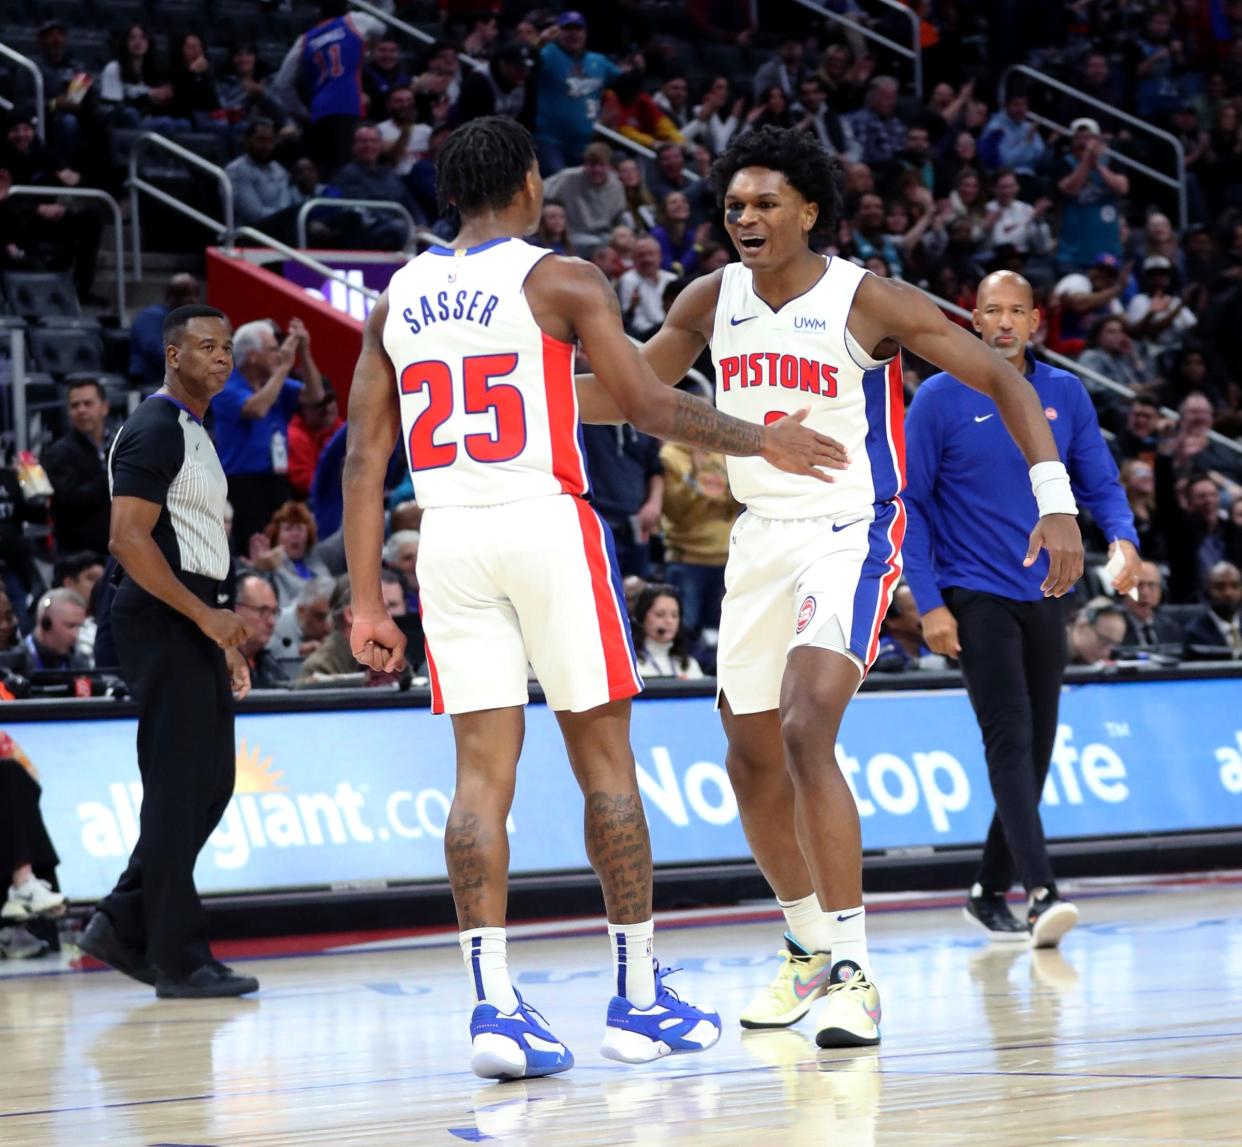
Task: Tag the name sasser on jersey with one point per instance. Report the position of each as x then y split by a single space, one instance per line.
774 369
445 305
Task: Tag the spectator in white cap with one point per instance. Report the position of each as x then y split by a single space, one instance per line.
1090 193
1158 317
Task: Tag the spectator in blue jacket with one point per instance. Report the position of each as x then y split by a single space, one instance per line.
146 333
570 87
970 512
1012 139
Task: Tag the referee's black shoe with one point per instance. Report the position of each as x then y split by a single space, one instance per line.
211 981
100 941
1049 917
990 911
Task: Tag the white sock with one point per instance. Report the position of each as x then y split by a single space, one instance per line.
806 923
633 966
484 950
847 931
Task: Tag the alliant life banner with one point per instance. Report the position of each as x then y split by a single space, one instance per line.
341 796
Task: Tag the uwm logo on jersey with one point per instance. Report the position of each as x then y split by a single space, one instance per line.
774 369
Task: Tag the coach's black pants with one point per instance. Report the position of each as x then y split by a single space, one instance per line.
186 757
1013 660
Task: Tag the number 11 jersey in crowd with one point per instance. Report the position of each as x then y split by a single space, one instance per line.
488 406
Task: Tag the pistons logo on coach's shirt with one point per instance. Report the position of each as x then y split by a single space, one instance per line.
1051 413
806 611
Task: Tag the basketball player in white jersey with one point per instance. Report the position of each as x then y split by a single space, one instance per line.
812 566
470 355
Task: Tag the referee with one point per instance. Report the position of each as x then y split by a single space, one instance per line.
970 512
179 656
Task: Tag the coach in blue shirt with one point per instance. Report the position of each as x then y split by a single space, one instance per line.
970 512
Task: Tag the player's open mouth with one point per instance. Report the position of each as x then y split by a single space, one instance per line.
751 243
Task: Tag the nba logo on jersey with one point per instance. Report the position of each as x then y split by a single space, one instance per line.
806 611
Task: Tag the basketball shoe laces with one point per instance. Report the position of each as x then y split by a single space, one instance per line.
782 984
661 986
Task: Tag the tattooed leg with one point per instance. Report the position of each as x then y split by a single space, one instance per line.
615 825
476 842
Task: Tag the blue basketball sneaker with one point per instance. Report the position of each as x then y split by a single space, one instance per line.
639 1035
517 1046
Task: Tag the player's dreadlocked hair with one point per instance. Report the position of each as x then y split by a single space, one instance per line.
818 176
483 164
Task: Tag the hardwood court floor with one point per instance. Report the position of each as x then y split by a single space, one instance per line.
1131 1034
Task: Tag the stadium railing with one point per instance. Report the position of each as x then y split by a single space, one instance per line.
637 148
33 68
18 374
912 51
136 184
368 204
1090 375
117 237
411 31
1177 181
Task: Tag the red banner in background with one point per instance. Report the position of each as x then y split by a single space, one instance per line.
244 291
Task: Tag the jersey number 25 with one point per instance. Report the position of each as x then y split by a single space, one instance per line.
480 395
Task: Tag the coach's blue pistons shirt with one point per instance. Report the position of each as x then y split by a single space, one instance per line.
968 490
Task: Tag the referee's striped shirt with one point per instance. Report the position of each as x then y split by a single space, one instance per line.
163 455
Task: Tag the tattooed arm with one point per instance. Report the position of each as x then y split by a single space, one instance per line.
570 298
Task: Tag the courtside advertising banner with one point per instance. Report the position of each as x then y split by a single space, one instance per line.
328 798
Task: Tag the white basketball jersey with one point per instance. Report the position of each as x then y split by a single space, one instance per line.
488 405
771 363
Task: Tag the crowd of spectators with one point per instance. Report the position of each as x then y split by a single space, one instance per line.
940 189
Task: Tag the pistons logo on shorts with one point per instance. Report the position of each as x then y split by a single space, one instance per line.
806 611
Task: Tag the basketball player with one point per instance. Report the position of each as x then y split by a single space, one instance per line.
470 354
812 566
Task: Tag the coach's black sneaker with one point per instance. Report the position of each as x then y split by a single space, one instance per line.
210 981
100 941
1049 917
990 911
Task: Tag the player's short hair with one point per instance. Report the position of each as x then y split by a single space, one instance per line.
483 164
815 174
179 318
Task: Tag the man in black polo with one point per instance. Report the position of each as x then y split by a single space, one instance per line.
179 656
75 466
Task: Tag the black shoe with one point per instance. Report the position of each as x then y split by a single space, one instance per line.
991 912
1049 917
209 982
100 941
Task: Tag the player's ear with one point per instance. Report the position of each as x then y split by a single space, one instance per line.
810 215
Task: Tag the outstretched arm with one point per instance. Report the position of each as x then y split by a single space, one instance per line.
374 423
892 310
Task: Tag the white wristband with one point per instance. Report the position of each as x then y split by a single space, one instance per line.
1051 486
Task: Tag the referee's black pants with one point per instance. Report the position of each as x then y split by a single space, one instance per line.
186 757
1013 661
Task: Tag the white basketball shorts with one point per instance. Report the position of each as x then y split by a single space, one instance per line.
822 582
530 581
